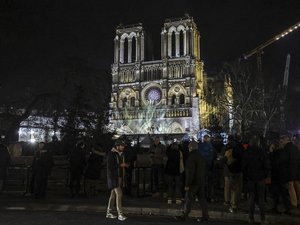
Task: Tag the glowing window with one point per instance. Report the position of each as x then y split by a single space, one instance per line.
154 95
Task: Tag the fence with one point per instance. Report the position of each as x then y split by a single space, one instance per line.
20 174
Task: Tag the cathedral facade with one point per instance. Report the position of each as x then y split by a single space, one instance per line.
158 96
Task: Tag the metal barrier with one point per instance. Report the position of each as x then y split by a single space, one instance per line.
18 176
141 175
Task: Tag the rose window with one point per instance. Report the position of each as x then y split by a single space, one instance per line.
153 95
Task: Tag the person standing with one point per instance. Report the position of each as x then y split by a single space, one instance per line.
209 154
93 168
173 171
5 160
184 147
279 175
229 146
130 158
256 169
115 179
293 168
158 156
77 161
233 166
195 183
41 168
95 162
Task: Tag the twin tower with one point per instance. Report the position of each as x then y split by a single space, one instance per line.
162 96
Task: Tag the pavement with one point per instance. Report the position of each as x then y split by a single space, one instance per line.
60 200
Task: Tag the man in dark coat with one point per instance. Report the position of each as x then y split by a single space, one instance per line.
233 168
93 170
130 158
158 156
195 182
174 169
4 163
279 175
94 163
293 168
209 154
41 169
77 164
115 177
256 168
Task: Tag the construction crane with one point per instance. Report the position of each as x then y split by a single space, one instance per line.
284 91
258 51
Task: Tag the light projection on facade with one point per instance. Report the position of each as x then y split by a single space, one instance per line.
153 96
157 96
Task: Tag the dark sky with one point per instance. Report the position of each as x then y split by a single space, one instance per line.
39 36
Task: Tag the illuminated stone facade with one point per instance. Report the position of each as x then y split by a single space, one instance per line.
159 96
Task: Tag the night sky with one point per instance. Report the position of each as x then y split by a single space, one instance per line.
39 37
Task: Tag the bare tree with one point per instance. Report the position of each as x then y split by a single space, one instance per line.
241 98
246 101
270 108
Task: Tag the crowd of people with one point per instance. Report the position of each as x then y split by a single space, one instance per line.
252 169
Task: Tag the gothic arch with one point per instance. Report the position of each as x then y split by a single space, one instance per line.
173 100
177 89
131 35
172 29
126 49
176 128
133 38
128 94
181 99
173 43
180 28
124 36
132 101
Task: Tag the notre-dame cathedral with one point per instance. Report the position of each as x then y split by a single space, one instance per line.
158 96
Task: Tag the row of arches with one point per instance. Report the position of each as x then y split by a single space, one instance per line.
135 114
151 73
128 58
173 100
128 102
127 76
176 42
180 41
174 72
129 98
129 47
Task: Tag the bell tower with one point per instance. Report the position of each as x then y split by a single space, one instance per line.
179 38
129 44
